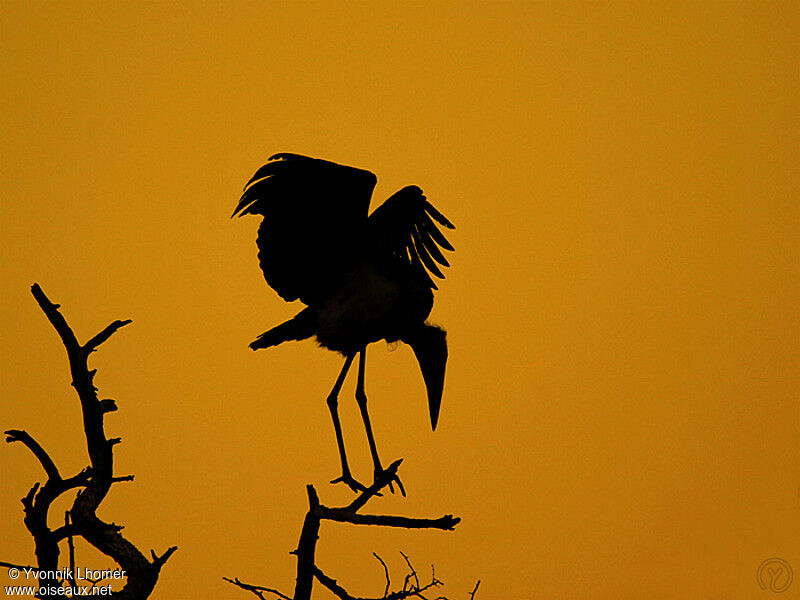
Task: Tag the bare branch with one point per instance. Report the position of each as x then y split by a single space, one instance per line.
96 479
385 574
341 593
472 593
334 587
20 435
27 501
101 337
256 589
158 561
78 480
411 569
108 405
71 551
307 569
56 319
381 481
16 566
306 547
447 522
65 531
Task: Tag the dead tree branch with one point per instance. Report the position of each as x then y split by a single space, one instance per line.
256 589
306 548
9 565
94 481
409 590
307 569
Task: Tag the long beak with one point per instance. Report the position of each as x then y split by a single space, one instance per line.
430 347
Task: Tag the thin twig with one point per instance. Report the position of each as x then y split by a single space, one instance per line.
410 568
341 593
385 573
16 566
71 552
256 589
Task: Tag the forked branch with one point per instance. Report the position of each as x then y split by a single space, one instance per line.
94 481
308 571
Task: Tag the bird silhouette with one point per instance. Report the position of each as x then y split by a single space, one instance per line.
362 278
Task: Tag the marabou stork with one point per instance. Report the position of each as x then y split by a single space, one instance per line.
362 278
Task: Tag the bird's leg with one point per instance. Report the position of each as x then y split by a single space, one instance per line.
333 405
361 398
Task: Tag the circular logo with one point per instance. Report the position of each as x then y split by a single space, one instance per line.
775 575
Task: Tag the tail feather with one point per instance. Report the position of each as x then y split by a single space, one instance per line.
299 327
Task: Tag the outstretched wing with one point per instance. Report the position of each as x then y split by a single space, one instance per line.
402 229
315 217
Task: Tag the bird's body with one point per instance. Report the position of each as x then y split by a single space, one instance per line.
363 278
370 306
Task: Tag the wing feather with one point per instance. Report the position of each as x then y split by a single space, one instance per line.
431 247
403 229
431 210
420 270
433 231
315 218
425 256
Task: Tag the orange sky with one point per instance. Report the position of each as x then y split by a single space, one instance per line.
620 417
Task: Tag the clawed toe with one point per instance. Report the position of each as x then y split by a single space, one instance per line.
381 474
350 482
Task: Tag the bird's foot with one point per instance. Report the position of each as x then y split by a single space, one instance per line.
382 474
349 481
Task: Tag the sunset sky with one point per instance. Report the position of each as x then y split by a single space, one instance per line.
621 413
